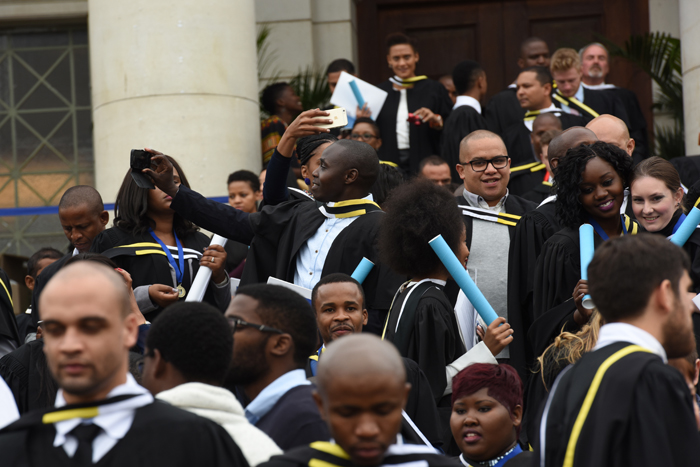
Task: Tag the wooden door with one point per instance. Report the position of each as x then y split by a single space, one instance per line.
490 32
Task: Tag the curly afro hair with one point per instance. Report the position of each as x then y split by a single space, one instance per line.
416 212
569 175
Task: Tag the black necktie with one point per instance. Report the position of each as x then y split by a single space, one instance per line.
85 434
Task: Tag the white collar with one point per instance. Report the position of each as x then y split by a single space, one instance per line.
477 201
598 87
369 197
623 332
75 252
117 422
467 100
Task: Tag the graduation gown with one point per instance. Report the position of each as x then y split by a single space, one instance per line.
427 332
517 206
8 323
159 435
462 121
423 140
27 375
277 233
503 111
519 145
539 193
641 413
525 178
420 406
599 101
148 265
332 455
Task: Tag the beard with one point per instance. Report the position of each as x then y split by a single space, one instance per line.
679 339
595 72
247 366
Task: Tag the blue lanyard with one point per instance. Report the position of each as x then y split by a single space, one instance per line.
678 223
180 255
599 230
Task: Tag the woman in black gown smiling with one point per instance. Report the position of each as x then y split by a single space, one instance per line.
591 182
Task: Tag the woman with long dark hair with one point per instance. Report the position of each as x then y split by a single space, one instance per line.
161 250
590 182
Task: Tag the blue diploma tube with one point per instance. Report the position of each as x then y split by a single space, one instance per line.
362 270
357 93
587 249
687 227
461 277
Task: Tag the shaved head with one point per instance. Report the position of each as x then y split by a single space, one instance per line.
570 138
69 276
612 130
546 119
360 156
474 136
359 356
81 195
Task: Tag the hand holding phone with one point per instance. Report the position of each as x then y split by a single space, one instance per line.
140 160
339 117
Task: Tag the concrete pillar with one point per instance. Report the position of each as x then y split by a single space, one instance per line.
690 36
178 76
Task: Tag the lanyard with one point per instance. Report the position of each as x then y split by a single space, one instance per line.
599 230
181 256
678 223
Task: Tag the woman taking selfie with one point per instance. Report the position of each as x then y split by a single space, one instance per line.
161 250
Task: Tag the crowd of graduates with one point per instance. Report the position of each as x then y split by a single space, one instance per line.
290 358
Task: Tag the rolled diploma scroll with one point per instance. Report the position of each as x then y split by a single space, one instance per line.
461 277
687 227
587 249
362 270
201 279
357 93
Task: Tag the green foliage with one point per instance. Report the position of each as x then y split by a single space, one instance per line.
266 57
659 55
312 87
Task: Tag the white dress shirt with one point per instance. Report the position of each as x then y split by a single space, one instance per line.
114 419
623 332
467 100
579 96
402 125
312 255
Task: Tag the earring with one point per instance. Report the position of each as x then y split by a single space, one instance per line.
307 181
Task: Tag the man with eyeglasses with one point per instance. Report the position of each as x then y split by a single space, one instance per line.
274 332
367 131
490 215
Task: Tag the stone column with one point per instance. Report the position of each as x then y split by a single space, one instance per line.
690 37
178 76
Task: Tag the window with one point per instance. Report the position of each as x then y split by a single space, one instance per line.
45 132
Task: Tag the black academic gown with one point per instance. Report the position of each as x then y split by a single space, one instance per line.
462 121
525 178
600 101
159 435
637 122
539 193
8 323
519 145
27 375
332 455
154 268
423 140
503 110
277 233
641 414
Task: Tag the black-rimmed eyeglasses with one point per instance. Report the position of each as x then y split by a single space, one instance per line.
364 136
479 165
238 323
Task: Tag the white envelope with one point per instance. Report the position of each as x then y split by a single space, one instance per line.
344 97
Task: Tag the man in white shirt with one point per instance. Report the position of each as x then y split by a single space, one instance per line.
101 414
621 404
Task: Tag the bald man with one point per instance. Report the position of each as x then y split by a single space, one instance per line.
361 391
83 217
532 231
503 110
101 414
612 130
